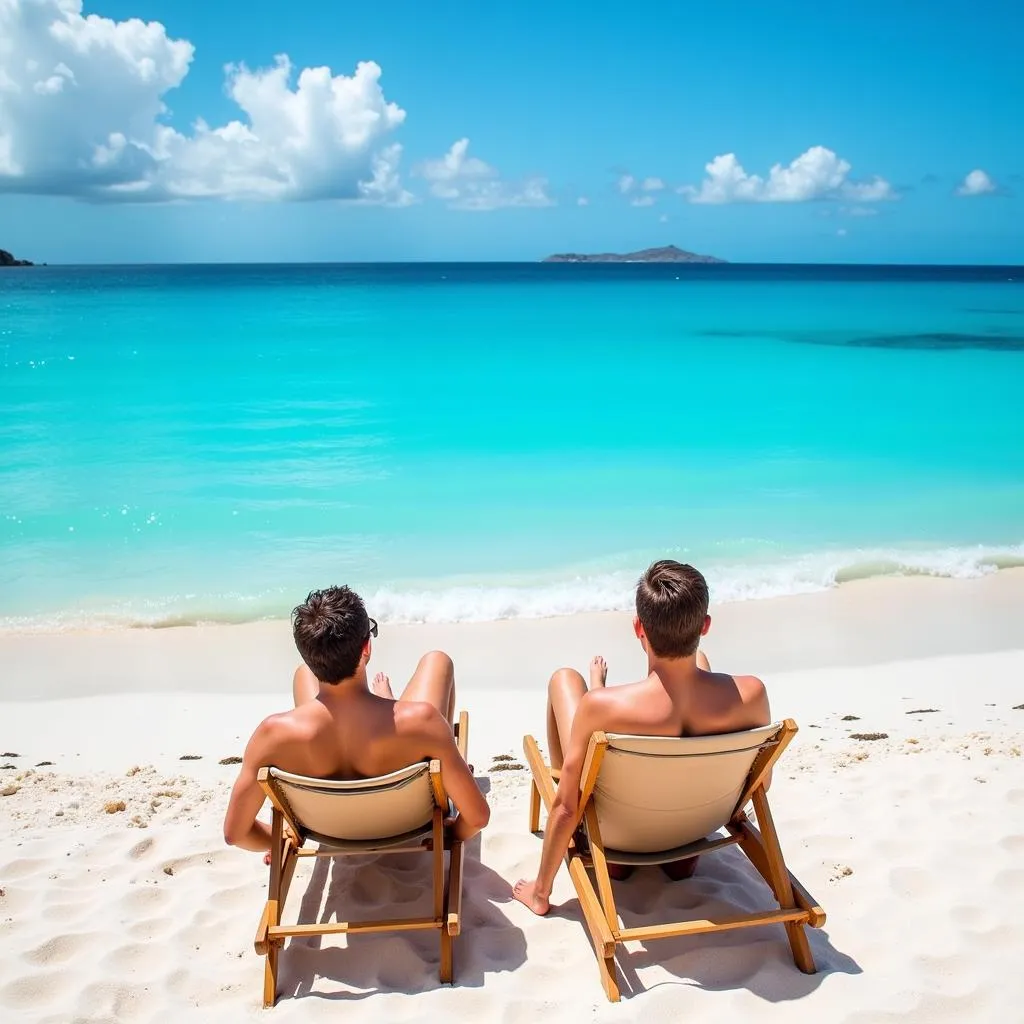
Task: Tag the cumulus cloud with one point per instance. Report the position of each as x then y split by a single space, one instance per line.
626 184
82 109
642 201
652 184
816 174
977 183
467 183
583 201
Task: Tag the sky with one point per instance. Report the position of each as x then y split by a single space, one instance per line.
180 131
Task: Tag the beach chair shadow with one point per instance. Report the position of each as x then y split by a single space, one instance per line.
397 962
391 818
648 801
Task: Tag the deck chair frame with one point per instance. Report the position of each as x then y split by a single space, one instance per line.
285 854
797 908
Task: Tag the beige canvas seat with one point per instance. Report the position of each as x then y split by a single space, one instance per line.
656 799
400 812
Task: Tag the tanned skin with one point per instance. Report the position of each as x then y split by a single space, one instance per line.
353 729
679 697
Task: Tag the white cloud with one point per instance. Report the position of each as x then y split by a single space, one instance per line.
841 232
82 108
652 184
626 184
816 174
642 201
663 219
583 201
467 183
977 183
876 190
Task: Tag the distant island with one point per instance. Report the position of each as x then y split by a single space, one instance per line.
665 254
7 260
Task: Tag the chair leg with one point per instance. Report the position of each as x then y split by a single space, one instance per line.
270 975
534 807
447 958
606 968
778 879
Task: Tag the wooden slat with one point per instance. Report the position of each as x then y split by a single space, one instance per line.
270 976
331 851
440 797
764 762
438 856
604 882
534 807
453 916
665 931
269 787
540 771
591 769
462 735
600 933
291 858
778 877
269 911
276 852
753 847
285 931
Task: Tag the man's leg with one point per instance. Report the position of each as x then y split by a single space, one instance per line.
565 691
305 686
433 682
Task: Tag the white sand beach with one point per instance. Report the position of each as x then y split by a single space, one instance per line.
913 843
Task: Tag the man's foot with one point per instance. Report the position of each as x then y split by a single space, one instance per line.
678 870
381 686
598 671
526 893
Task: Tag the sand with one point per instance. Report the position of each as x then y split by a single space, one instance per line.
914 844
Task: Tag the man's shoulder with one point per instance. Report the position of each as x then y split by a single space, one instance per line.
751 688
285 727
604 706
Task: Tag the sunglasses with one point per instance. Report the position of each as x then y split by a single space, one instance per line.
373 629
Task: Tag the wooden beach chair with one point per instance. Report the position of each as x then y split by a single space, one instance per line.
653 800
397 813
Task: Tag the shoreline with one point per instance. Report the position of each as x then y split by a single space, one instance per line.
864 622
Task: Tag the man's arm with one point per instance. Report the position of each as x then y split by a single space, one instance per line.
433 732
565 810
241 828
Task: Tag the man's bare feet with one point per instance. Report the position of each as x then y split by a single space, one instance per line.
381 686
526 893
598 671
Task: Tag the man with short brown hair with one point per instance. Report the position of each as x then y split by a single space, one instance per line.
681 696
343 727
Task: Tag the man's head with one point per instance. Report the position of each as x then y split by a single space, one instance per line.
332 633
672 608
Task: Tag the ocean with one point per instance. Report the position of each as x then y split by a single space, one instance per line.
478 441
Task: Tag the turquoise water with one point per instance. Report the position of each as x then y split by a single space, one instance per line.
478 441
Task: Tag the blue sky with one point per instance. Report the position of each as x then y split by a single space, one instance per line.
589 127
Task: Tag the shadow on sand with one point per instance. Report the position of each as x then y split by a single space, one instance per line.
757 959
395 886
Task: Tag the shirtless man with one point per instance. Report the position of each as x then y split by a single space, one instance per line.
343 728
681 696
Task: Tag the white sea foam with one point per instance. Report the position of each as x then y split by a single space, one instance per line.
568 594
